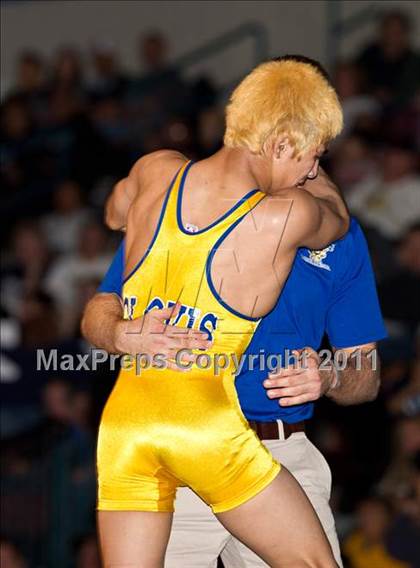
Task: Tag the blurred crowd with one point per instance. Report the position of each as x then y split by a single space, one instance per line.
70 127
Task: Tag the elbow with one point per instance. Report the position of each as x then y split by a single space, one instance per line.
375 389
84 326
111 220
371 394
344 222
337 230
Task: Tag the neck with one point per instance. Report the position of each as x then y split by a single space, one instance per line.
251 168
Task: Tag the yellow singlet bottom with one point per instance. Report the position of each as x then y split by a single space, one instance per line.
164 429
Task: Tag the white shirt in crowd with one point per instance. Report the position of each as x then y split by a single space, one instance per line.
69 272
63 231
389 207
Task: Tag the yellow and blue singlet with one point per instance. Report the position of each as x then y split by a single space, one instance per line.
162 429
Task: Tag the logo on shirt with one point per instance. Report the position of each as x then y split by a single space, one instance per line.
129 305
188 316
317 257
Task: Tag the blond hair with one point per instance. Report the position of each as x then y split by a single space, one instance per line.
283 98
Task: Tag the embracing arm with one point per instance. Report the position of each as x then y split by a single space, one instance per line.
307 380
159 164
359 381
119 202
325 212
100 321
103 325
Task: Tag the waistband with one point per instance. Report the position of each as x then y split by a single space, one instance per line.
277 430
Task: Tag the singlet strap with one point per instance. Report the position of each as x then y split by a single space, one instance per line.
238 210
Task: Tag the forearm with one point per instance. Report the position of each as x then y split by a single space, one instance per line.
324 189
358 382
100 319
333 211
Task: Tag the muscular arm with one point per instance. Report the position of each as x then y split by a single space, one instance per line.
103 326
305 382
161 163
99 324
324 212
360 380
119 202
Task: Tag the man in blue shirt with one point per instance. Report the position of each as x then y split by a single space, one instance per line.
330 291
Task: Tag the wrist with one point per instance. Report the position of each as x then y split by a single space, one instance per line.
118 334
335 379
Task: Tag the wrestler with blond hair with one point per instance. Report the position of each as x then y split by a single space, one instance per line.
190 228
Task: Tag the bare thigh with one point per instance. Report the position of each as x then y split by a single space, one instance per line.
133 539
280 525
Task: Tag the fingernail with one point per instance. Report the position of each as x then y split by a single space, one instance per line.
267 383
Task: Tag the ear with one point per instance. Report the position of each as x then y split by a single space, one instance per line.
282 148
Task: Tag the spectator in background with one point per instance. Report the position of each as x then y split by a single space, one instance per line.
53 427
24 373
30 78
108 80
67 72
398 482
159 93
399 294
153 52
81 410
89 262
58 445
404 540
109 118
57 401
389 201
358 107
19 145
23 273
33 327
38 320
406 402
403 127
401 486
353 162
366 547
391 65
77 149
62 226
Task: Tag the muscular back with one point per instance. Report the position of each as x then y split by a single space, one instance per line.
251 265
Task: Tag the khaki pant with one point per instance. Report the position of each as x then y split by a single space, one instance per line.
197 537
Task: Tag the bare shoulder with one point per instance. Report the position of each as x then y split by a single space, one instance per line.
292 211
293 202
162 162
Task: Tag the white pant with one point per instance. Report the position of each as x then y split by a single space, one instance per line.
197 537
